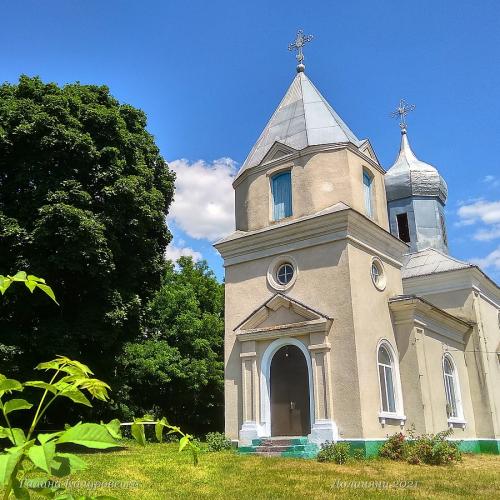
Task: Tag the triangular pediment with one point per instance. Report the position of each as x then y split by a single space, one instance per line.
278 150
280 313
367 149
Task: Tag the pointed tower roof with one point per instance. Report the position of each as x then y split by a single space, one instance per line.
303 118
410 176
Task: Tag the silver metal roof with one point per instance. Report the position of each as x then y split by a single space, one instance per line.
303 118
411 177
430 261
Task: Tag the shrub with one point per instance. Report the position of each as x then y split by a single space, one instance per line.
358 454
430 449
334 452
433 449
217 441
394 448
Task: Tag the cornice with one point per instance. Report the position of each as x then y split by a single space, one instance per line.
344 224
468 278
424 315
307 151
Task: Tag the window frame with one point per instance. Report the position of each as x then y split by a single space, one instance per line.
368 193
398 413
457 393
272 178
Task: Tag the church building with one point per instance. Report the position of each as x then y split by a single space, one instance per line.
346 317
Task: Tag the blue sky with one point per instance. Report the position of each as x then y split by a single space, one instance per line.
209 75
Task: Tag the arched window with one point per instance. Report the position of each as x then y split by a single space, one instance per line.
281 190
367 189
387 379
452 389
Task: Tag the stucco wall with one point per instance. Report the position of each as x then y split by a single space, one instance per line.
319 181
323 284
372 322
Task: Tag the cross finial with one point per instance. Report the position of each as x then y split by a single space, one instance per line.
401 111
300 41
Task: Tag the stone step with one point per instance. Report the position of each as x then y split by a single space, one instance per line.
280 441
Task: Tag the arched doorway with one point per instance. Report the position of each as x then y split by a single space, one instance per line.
289 388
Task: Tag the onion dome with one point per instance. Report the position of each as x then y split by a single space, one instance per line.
410 176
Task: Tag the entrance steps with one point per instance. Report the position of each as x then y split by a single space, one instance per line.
294 447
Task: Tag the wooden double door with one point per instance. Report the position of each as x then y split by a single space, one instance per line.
289 387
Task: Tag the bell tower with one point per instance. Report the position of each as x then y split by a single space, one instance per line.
416 196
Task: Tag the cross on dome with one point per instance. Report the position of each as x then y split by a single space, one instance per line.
298 44
401 111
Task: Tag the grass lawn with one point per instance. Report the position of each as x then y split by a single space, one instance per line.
164 473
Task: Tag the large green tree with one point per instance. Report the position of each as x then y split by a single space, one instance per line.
84 193
176 368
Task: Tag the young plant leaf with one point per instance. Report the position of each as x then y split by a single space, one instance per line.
9 384
75 462
43 455
89 435
159 430
19 436
30 285
39 384
183 442
138 434
77 397
8 462
113 428
48 291
43 438
16 404
19 276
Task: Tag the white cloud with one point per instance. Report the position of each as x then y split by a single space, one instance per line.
173 253
491 180
492 260
487 234
487 212
203 204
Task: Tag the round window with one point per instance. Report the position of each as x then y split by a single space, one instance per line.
284 274
377 274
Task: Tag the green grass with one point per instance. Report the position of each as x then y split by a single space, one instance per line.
163 473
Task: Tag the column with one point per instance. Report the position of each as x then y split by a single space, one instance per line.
249 392
323 427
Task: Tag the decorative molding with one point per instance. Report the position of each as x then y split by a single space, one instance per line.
320 347
411 309
290 330
248 354
337 223
307 151
314 321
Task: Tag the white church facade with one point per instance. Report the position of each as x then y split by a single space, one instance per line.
346 318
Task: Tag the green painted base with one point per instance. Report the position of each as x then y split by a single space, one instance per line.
301 448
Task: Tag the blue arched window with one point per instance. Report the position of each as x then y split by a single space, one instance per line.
281 189
367 188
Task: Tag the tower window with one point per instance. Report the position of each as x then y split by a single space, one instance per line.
443 229
367 189
281 189
403 228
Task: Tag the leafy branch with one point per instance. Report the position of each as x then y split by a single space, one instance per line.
31 282
69 379
186 440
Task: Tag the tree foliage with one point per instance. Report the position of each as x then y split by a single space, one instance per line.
177 367
84 193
